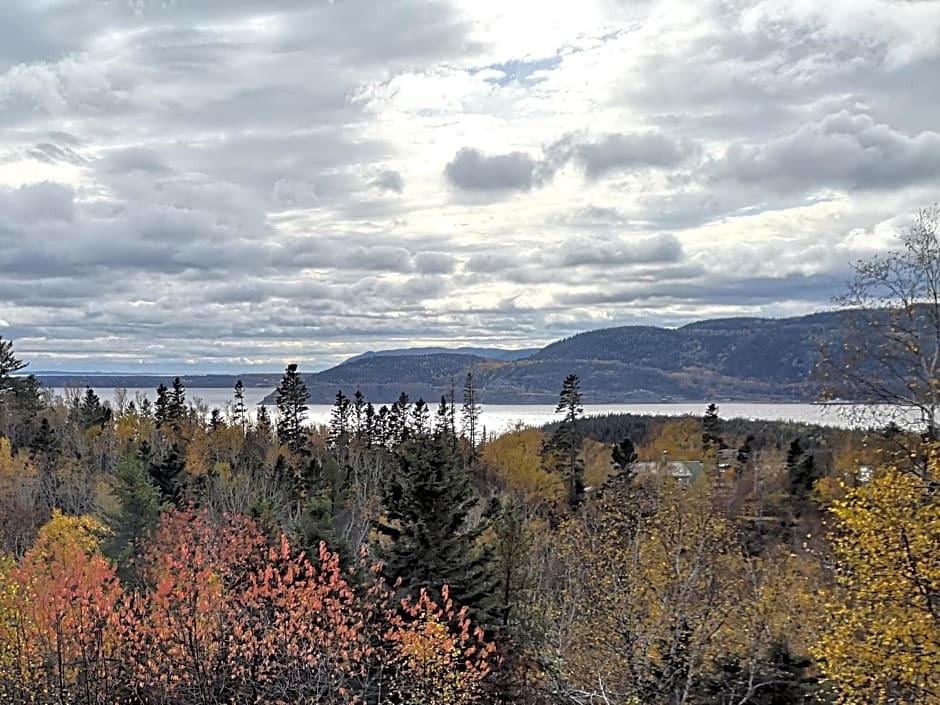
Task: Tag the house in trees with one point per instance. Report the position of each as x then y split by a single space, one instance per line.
685 472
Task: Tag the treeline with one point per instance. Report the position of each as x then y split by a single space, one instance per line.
166 553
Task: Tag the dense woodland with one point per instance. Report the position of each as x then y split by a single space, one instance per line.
166 553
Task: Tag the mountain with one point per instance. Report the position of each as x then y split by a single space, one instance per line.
488 353
745 359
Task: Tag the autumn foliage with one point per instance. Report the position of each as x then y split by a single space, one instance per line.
221 617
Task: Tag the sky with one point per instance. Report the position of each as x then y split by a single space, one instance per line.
199 185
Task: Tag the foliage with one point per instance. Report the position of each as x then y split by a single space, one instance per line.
882 644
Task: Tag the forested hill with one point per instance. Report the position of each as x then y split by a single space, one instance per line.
488 353
734 358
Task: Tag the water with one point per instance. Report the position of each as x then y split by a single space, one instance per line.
498 418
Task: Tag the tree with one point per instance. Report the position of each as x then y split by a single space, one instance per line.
176 403
138 510
19 395
623 455
427 503
882 644
61 641
564 445
239 411
470 416
711 430
889 357
291 396
160 407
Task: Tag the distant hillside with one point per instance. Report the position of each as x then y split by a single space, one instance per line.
383 378
488 353
743 359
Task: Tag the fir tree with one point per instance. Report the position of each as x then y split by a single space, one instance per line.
161 405
137 513
176 403
292 396
711 430
166 473
427 502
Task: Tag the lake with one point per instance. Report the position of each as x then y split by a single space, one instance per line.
498 418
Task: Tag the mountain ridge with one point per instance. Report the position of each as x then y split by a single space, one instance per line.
744 359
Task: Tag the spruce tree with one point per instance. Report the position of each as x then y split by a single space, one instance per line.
711 429
427 503
470 417
161 405
239 410
564 445
137 513
176 403
291 396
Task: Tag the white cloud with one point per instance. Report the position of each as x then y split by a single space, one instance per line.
280 178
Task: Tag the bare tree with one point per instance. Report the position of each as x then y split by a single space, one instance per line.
888 359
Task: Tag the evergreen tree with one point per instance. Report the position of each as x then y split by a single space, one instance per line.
340 420
239 410
623 455
215 420
398 423
801 470
427 503
263 427
20 398
470 417
291 396
359 415
92 412
176 403
421 418
166 472
137 513
711 430
161 405
564 445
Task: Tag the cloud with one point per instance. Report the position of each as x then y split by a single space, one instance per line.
622 152
389 180
591 251
284 180
471 170
842 151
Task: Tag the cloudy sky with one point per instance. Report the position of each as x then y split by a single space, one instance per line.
235 184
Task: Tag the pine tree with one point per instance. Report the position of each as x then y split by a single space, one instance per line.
291 396
427 503
564 446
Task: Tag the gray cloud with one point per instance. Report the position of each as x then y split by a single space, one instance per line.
622 151
844 150
225 181
471 170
